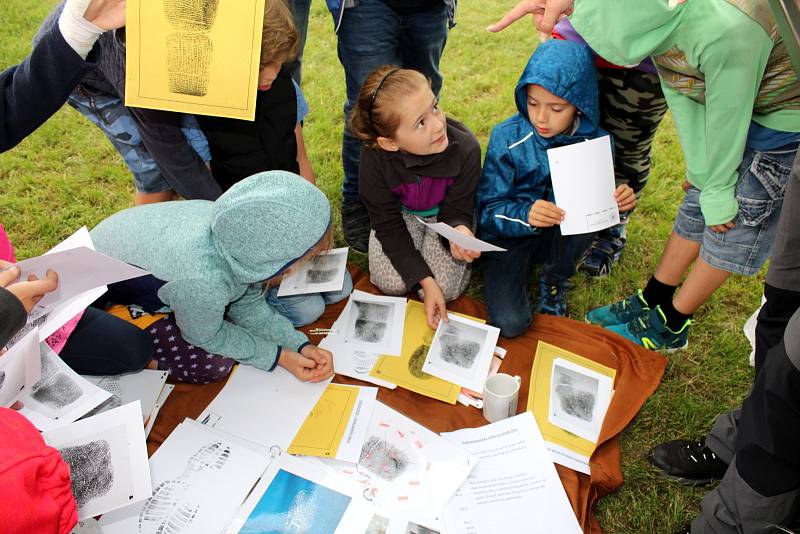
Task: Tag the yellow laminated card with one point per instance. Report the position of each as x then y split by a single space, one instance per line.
194 56
540 393
323 429
406 370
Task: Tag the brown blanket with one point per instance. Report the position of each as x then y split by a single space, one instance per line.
639 372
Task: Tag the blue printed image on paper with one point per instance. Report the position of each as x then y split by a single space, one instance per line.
295 505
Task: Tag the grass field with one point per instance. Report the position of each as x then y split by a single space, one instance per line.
67 174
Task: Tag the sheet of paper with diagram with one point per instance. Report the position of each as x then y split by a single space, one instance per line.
144 386
583 185
569 396
194 56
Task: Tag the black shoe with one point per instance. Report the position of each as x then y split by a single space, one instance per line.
355 223
689 462
685 530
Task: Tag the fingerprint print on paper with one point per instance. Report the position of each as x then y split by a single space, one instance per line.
173 506
54 389
383 459
323 269
576 393
372 321
459 346
91 470
189 47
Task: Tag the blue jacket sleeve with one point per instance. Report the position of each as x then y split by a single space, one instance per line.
36 88
502 210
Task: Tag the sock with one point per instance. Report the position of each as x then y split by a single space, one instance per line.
675 319
656 293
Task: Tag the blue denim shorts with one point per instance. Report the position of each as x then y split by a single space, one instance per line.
763 176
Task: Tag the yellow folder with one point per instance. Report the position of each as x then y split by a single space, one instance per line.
323 429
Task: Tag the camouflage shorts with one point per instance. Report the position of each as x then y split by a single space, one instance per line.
632 106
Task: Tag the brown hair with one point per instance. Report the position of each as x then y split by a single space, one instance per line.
280 40
374 113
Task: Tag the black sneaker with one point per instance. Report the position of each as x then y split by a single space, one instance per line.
685 530
688 462
355 223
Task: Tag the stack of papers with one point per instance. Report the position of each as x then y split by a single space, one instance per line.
145 386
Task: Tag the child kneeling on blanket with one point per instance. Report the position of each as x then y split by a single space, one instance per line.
557 101
211 263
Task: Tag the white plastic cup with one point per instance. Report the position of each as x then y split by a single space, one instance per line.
500 397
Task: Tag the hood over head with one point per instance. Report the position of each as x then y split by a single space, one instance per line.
266 222
567 70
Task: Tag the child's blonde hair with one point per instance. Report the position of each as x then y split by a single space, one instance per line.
280 40
375 113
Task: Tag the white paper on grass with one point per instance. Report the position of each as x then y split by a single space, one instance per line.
462 240
265 407
514 481
107 457
144 386
162 398
583 184
296 494
61 395
579 399
200 478
321 274
461 352
79 270
403 465
358 425
352 362
50 321
373 323
20 368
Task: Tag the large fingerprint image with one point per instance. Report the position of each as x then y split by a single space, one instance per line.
460 344
382 458
576 393
55 389
91 470
323 269
372 321
173 506
189 45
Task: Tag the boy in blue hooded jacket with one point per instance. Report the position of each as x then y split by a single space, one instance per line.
558 105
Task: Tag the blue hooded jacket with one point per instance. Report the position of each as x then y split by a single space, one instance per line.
516 172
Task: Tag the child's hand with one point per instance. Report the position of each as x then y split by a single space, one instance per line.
544 214
30 292
464 254
300 366
625 197
435 308
324 360
722 228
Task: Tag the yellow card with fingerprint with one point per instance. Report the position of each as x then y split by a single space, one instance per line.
323 429
406 370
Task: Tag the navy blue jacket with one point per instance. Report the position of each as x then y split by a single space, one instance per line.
516 172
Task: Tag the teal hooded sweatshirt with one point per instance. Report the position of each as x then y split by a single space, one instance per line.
213 257
721 64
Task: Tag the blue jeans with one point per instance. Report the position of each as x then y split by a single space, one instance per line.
372 35
305 309
507 275
300 9
109 114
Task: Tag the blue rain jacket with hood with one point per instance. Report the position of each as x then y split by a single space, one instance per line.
214 257
515 171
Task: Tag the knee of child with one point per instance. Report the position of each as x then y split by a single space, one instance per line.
336 296
312 309
511 325
389 286
136 352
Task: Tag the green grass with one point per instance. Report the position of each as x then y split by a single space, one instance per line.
67 174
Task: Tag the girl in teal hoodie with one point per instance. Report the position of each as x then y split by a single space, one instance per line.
210 265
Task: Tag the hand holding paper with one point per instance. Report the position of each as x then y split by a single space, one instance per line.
435 308
625 197
28 292
464 253
544 214
460 238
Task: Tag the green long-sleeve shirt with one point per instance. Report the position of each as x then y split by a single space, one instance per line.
719 69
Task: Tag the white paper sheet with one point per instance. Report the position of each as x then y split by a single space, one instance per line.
462 240
583 185
265 407
200 479
514 488
144 386
357 427
351 362
403 465
20 368
79 270
50 321
461 352
321 274
373 323
61 395
107 457
297 495
579 399
162 398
